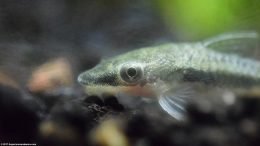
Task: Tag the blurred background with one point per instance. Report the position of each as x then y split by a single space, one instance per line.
45 44
84 31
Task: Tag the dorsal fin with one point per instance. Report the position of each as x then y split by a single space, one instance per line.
245 44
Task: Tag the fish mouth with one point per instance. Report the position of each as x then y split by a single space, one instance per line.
135 91
103 90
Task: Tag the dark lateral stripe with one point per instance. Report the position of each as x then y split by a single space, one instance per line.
218 78
107 79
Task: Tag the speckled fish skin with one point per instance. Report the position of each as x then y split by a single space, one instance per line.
178 63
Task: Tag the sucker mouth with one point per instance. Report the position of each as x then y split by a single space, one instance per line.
100 90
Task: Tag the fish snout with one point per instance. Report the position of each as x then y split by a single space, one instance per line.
83 78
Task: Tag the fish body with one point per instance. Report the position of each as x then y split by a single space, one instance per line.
166 71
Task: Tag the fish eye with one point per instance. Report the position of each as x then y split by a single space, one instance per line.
131 74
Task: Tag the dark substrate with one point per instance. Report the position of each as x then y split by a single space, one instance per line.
72 116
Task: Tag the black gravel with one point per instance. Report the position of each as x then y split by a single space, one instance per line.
23 113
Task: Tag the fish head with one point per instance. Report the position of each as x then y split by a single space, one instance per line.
122 74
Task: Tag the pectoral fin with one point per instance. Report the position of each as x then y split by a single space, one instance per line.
245 44
174 102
